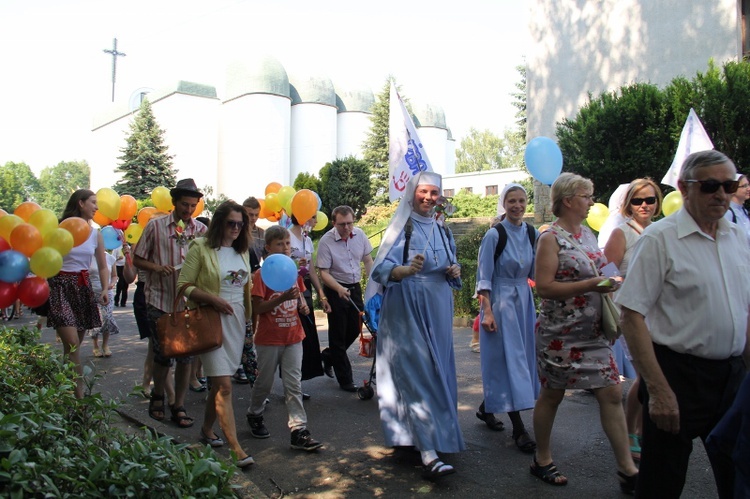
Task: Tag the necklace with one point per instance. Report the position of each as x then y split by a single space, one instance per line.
429 243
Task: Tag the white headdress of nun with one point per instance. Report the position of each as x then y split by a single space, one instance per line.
501 198
398 222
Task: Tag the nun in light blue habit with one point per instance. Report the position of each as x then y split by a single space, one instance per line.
416 369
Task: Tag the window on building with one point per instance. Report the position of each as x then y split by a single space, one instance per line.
467 189
449 192
490 189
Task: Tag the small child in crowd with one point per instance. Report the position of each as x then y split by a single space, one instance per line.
278 342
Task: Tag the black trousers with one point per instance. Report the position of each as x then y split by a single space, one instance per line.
121 291
140 310
344 326
705 389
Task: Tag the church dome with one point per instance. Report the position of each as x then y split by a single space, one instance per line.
265 75
429 115
311 89
355 100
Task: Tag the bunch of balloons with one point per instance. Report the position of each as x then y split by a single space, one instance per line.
31 240
543 159
281 202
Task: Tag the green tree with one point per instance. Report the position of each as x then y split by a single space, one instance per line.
519 100
17 184
473 205
619 136
345 181
375 147
307 181
514 146
479 151
210 203
57 183
145 162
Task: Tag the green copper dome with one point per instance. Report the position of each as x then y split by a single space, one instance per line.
311 89
265 75
355 100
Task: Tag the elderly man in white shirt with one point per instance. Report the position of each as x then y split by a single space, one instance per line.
685 310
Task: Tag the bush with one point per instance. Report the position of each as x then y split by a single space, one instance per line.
473 205
54 445
465 305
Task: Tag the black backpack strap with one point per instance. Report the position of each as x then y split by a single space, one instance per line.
734 215
502 241
532 235
408 227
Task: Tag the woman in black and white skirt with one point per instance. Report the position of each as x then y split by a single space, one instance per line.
73 304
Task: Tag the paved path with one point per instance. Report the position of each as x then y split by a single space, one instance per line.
354 462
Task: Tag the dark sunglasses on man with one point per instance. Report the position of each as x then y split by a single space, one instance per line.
710 186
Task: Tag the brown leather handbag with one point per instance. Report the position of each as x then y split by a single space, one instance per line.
190 331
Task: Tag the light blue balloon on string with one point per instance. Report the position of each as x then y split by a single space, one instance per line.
14 266
112 239
543 159
279 272
320 203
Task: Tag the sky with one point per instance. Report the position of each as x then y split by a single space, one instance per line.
56 77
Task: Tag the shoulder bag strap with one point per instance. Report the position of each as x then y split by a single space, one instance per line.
579 248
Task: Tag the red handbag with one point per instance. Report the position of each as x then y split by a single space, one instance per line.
189 332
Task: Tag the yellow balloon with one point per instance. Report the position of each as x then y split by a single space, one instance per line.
44 220
133 233
162 199
597 216
672 202
285 196
7 224
108 202
272 203
46 262
59 239
322 221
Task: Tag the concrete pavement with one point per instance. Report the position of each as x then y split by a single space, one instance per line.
354 461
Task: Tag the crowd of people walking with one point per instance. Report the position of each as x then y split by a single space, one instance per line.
681 283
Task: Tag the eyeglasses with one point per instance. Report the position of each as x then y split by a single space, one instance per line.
744 186
345 224
710 186
587 197
235 225
640 201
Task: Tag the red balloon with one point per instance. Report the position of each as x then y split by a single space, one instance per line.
121 224
4 245
33 291
8 294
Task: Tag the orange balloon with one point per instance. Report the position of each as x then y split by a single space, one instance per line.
145 215
78 228
262 213
128 207
7 224
26 238
304 205
274 217
199 209
25 210
544 227
3 213
273 188
101 220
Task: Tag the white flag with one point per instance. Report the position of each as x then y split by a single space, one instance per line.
406 154
692 139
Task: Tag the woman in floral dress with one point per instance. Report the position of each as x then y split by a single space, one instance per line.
572 351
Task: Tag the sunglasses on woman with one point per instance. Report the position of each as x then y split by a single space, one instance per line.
710 186
640 201
235 225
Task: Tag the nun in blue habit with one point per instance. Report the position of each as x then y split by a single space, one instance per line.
415 367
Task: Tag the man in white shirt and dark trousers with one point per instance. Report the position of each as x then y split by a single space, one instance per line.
685 306
340 252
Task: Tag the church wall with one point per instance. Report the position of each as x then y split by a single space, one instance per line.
351 133
254 142
313 138
190 126
105 148
478 182
434 141
581 47
450 157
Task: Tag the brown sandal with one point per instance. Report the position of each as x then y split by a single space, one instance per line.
180 417
157 413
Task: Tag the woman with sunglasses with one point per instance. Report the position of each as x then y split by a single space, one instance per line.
217 273
642 203
737 212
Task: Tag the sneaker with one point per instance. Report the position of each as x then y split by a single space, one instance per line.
302 440
257 428
240 377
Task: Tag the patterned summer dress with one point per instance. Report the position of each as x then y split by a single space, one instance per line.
571 350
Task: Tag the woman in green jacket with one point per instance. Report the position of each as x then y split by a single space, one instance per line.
217 269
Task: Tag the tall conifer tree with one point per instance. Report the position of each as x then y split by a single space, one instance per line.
145 162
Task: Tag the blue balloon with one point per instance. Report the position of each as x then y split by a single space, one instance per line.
285 221
543 159
320 203
279 272
14 266
112 239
